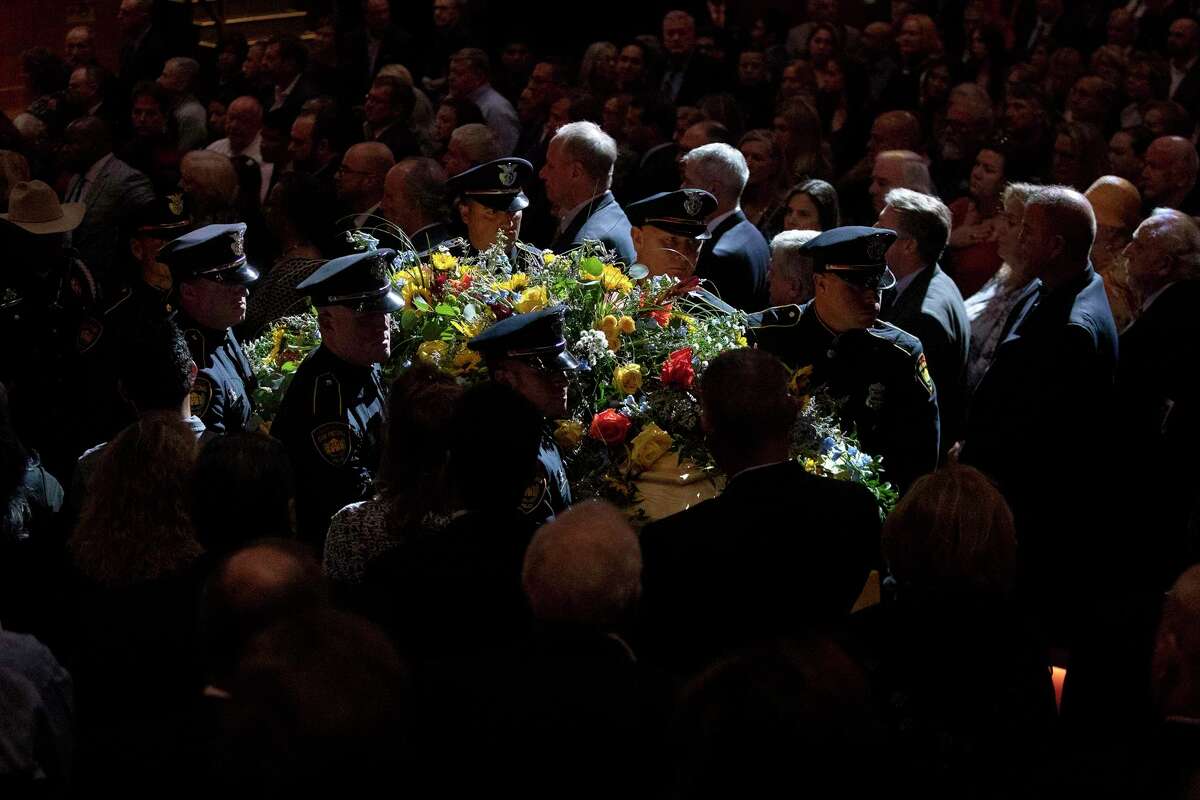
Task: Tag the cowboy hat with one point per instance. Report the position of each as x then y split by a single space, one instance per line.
34 206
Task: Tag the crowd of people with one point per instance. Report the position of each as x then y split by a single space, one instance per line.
976 224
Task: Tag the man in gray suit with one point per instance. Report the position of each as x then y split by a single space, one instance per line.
578 178
113 191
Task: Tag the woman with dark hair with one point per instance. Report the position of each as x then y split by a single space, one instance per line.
841 104
454 112
295 214
973 255
412 479
763 197
987 61
811 205
1080 155
633 68
917 43
960 683
598 69
249 472
798 133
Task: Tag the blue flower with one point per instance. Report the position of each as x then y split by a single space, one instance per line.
828 444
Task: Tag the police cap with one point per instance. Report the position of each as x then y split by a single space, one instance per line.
359 281
854 253
536 336
164 219
214 252
498 184
682 211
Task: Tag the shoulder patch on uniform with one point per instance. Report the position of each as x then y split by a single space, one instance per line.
90 331
923 373
535 492
201 396
332 441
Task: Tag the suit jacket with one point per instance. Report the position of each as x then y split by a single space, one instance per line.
777 551
114 197
396 47
735 260
701 76
603 221
1036 425
301 93
657 172
143 59
931 308
400 140
1187 94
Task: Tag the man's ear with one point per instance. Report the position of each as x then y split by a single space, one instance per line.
463 210
635 233
193 371
137 247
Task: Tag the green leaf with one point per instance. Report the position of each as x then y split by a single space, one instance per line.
421 303
289 367
446 310
408 319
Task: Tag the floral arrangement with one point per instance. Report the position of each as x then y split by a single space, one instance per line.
646 341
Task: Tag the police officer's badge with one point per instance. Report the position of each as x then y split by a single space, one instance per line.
201 396
692 204
237 244
535 492
508 174
923 373
175 203
333 442
875 394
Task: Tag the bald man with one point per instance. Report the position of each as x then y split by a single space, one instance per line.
243 123
892 130
414 200
1169 175
1051 385
898 169
360 180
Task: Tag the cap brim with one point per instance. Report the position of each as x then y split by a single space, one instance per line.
691 231
244 275
501 202
69 221
570 363
387 303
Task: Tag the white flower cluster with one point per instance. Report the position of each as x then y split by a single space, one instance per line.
591 347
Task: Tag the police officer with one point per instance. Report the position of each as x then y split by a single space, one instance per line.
528 353
668 230
839 341
210 274
331 417
490 199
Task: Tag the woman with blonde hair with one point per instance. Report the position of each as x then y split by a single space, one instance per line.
598 69
918 44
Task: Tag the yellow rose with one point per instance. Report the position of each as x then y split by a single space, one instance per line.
444 262
465 360
649 446
433 352
568 433
533 299
628 378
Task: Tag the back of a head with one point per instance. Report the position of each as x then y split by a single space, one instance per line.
923 218
320 707
477 142
790 262
584 567
154 369
1069 215
914 169
421 407
425 185
305 202
1116 202
902 130
745 400
720 169
588 145
1178 235
134 524
253 589
494 479
794 714
952 530
249 472
216 180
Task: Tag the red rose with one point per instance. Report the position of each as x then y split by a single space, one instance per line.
610 426
677 370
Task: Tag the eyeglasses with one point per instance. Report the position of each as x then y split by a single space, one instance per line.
343 170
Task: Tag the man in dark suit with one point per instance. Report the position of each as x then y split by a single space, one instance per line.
925 302
578 179
386 114
778 551
145 49
1183 45
414 200
1157 387
113 192
377 44
688 75
1037 419
736 258
284 61
650 131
